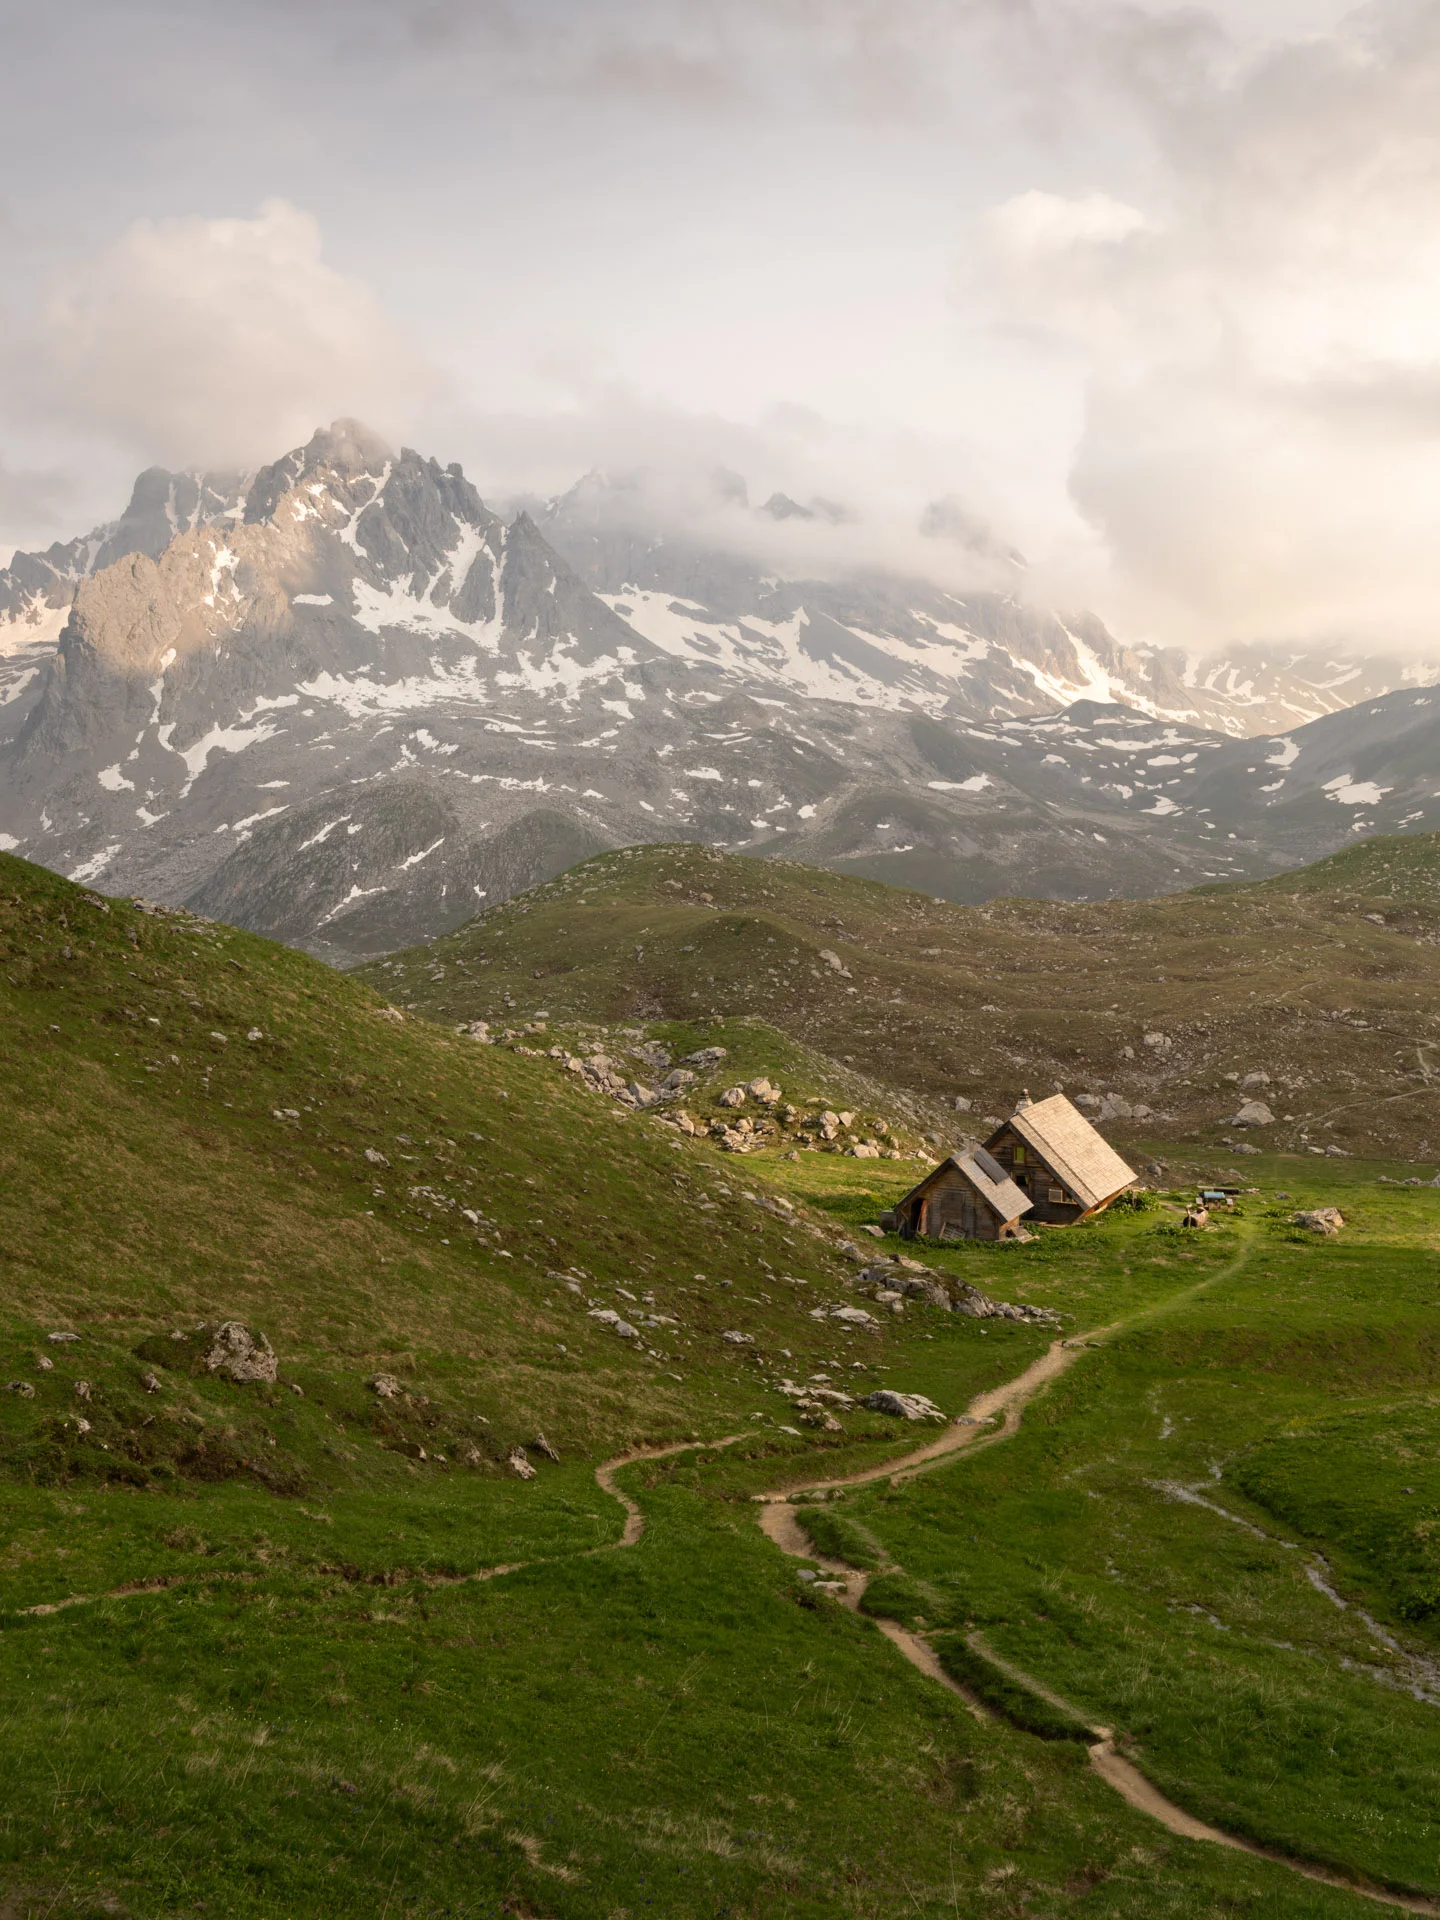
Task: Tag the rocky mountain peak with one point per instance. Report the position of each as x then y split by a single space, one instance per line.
346 702
334 457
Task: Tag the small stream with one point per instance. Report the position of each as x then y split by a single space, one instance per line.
1414 1673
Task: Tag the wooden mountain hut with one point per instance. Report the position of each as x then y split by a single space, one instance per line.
967 1197
1067 1170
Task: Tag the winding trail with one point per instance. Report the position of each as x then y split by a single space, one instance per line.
977 1427
634 1518
604 1479
781 1522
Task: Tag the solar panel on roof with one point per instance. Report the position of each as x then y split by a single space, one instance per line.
988 1165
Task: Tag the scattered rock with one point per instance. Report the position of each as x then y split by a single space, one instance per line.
608 1317
739 1339
150 1382
654 1055
1319 1219
962 1105
58 1338
705 1058
376 1158
45 1363
1254 1113
1257 1079
902 1406
733 1097
519 1465
241 1354
542 1445
23 1387
82 1389
385 1385
389 1013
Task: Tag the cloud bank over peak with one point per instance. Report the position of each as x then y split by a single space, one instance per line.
217 342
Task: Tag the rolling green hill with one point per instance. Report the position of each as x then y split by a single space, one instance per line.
1322 982
312 1644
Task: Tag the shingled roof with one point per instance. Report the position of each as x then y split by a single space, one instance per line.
989 1179
1067 1142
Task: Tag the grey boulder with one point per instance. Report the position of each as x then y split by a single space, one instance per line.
902 1406
241 1354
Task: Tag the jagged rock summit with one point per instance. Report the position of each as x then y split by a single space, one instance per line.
267 645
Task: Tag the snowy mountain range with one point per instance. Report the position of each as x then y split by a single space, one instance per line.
344 702
880 640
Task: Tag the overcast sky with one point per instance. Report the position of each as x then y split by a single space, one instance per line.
1152 291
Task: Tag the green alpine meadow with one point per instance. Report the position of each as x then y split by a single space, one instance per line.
438 1480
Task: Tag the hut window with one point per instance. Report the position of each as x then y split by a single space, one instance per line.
1019 1156
1057 1194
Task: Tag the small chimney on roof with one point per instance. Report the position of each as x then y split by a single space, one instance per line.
1024 1099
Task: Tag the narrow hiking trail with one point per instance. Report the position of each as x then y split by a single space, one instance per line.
604 1479
780 1521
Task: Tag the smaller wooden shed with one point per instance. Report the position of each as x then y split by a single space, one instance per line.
969 1196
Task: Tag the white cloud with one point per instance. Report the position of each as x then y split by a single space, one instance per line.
198 340
1040 225
1188 362
1260 354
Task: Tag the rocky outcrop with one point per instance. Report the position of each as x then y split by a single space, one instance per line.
904 1279
241 1354
902 1406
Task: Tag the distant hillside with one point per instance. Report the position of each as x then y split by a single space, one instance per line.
1313 992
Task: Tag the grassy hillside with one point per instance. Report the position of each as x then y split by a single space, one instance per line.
287 1648
1323 981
